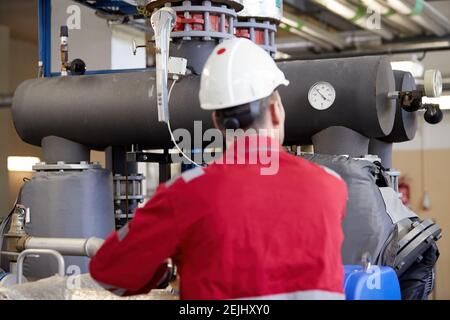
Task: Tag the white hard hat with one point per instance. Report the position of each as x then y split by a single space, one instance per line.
238 71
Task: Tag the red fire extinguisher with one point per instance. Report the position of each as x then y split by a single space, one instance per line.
404 189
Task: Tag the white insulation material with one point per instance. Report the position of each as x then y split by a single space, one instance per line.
80 287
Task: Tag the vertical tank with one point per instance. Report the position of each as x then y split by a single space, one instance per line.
258 22
67 201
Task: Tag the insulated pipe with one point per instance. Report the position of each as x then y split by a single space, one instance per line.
57 149
66 246
405 125
120 109
340 141
383 150
104 110
361 104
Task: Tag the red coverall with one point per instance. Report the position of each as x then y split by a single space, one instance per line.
234 233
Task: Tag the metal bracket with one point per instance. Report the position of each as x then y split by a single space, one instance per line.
36 253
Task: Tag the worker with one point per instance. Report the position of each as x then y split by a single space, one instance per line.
232 231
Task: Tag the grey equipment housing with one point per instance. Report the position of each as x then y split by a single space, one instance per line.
376 220
67 200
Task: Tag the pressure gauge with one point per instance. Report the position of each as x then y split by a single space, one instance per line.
432 83
321 95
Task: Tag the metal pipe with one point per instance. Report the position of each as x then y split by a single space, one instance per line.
423 14
5 100
405 25
440 44
332 38
437 16
36 253
120 109
302 34
66 246
356 15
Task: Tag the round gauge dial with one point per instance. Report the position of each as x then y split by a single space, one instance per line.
321 95
433 83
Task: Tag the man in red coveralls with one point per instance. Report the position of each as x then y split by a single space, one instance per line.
233 229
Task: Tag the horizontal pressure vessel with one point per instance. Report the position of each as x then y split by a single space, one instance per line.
120 109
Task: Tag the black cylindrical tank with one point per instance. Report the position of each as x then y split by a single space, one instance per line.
120 109
405 125
362 85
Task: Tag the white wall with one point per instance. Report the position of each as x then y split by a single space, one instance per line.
429 136
99 45
4 60
18 62
432 60
91 43
121 48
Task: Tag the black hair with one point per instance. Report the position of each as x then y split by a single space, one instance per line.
243 116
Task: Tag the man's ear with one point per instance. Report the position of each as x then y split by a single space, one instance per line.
214 119
275 113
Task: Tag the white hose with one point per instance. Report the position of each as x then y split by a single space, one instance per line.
171 133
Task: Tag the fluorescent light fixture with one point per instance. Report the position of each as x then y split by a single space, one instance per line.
337 7
442 101
376 6
415 67
399 6
23 164
281 55
314 31
353 14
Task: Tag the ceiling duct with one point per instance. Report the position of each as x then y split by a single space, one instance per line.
357 15
318 43
297 23
406 26
422 13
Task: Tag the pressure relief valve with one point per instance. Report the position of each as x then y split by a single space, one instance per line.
411 101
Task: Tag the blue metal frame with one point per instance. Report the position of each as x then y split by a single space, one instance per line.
92 72
115 6
44 32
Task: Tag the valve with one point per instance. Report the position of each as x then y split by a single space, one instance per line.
411 101
135 47
432 82
433 113
77 66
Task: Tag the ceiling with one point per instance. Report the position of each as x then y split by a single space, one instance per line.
21 17
352 23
